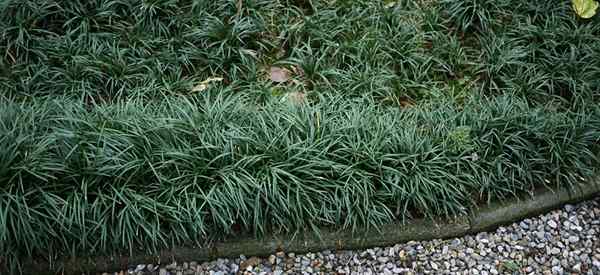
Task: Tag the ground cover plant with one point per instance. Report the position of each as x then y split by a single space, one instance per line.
142 124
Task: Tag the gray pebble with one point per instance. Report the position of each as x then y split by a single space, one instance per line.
383 259
573 239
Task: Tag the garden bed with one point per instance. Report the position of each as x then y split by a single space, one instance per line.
129 125
149 176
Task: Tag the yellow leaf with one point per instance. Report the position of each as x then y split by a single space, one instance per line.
204 84
390 4
585 8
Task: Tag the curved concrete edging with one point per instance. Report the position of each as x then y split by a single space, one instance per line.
482 219
497 214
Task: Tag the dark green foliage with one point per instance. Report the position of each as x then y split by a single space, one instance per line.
133 175
475 14
108 50
535 49
104 147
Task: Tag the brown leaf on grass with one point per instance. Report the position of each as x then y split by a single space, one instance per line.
298 71
427 44
204 84
279 75
406 103
238 7
403 102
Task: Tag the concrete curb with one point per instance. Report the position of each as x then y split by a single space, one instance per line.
494 215
482 219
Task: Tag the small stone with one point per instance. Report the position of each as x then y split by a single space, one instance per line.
524 225
397 270
557 270
383 260
162 271
573 239
172 266
552 224
250 263
272 259
554 251
540 235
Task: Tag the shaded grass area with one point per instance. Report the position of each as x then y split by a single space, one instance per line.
138 175
399 52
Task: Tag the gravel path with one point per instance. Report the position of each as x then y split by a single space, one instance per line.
565 241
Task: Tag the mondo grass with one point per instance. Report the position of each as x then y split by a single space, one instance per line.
79 180
404 109
396 51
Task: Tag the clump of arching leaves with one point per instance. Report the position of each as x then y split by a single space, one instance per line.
135 124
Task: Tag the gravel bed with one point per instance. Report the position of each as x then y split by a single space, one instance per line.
565 241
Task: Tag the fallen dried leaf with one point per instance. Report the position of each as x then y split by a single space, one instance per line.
406 103
298 71
204 84
279 75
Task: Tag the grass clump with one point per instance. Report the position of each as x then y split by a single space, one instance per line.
133 175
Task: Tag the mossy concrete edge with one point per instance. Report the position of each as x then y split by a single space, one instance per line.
491 216
482 219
